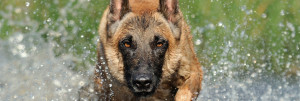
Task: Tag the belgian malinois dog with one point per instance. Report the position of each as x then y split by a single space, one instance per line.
146 53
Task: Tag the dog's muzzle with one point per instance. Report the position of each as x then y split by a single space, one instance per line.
142 84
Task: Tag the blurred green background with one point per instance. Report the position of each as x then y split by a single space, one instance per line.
232 37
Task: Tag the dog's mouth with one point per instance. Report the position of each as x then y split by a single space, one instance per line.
143 91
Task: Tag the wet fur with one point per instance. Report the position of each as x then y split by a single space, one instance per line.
181 72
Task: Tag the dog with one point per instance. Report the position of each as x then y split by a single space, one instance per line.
146 53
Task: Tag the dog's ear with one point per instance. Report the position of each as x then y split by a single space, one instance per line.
170 9
118 8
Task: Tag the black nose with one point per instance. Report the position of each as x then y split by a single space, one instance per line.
142 82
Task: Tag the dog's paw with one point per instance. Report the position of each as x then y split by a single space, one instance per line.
183 95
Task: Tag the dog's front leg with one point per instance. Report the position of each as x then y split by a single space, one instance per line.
190 88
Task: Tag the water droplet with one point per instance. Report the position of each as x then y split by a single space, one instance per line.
57 83
253 75
91 90
18 10
288 65
290 26
23 54
293 35
21 47
27 4
282 13
211 26
230 44
220 24
259 70
19 38
243 8
81 83
49 20
281 25
249 12
264 15
198 42
279 87
298 73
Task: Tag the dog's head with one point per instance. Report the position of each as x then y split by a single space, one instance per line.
140 37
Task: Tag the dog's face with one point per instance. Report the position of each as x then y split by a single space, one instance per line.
138 41
143 47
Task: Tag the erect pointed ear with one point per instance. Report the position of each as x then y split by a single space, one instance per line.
169 9
117 9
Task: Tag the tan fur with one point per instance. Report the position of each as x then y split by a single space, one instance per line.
143 6
181 68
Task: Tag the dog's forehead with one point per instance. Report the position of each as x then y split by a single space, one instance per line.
145 27
145 21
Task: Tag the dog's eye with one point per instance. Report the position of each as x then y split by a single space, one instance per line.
159 44
127 44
